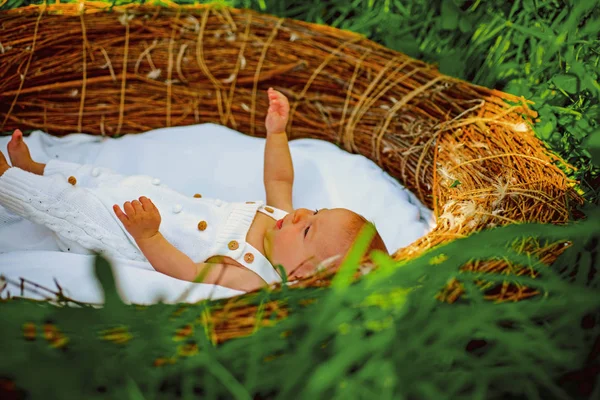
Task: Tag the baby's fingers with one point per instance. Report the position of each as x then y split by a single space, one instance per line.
137 206
122 217
128 208
148 204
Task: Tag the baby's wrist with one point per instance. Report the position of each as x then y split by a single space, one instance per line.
145 240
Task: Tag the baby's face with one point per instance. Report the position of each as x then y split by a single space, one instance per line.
306 235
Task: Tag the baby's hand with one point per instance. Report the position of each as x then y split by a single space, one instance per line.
141 218
279 110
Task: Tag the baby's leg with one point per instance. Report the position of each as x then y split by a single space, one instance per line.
76 235
83 175
73 213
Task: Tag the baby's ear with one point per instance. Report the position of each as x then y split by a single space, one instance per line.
303 270
332 262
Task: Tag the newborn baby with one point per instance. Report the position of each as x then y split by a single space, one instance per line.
235 245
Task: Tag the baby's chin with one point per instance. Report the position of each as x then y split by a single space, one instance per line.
268 243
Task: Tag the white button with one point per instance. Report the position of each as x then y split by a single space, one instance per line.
95 172
177 208
156 181
218 202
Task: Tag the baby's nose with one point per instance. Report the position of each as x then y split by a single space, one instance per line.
300 214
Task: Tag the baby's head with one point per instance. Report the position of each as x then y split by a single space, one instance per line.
305 238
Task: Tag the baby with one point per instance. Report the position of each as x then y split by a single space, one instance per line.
235 245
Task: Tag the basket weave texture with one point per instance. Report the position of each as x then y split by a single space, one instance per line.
466 151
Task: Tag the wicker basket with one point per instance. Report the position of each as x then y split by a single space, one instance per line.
466 151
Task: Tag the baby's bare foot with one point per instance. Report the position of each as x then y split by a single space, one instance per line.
3 164
19 154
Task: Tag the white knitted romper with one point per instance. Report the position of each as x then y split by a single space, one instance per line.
75 201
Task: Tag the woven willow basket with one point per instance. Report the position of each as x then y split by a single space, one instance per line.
466 151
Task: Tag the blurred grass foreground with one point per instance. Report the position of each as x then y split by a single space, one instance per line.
385 336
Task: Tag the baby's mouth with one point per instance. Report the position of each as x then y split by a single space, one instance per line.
279 223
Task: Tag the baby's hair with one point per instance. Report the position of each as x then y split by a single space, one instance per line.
376 242
353 229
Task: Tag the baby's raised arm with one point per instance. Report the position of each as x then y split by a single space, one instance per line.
278 170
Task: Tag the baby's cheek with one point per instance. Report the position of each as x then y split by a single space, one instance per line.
279 247
274 244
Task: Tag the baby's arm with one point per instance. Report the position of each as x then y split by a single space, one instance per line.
278 170
142 220
166 258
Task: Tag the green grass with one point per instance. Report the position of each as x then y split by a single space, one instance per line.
383 337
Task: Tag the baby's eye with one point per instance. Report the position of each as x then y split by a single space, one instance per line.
306 230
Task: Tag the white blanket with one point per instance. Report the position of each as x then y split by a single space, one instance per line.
217 162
